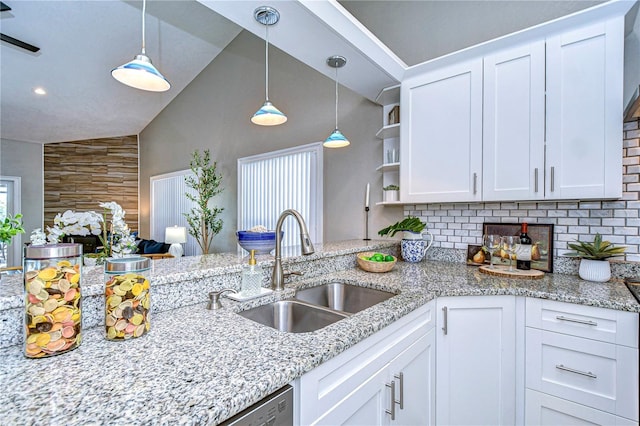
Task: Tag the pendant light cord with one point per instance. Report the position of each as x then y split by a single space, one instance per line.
266 65
336 98
144 11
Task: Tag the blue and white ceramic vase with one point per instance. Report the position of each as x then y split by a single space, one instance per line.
414 245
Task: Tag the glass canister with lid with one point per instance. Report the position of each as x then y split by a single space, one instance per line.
127 299
53 314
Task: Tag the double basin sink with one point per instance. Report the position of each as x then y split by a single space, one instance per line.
317 307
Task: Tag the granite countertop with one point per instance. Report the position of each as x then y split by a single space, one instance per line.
199 366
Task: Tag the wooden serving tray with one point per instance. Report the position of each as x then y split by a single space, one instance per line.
503 271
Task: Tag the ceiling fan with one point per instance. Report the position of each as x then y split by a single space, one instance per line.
19 43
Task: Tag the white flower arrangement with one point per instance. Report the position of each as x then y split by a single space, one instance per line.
120 242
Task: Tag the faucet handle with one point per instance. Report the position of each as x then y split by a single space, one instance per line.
214 298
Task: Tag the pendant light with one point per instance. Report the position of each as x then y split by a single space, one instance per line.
140 72
268 114
336 139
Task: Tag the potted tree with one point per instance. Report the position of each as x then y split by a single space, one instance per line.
391 193
9 228
594 263
203 220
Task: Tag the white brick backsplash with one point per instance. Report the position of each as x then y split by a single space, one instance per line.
567 206
587 221
455 225
578 229
604 230
590 205
612 222
578 213
622 230
567 221
601 213
547 206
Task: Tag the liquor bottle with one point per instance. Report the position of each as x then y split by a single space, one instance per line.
523 254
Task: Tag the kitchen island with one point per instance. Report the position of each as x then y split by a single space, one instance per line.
198 366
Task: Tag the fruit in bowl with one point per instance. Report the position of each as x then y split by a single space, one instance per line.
376 262
261 242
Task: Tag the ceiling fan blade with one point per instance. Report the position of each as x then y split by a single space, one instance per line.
19 43
4 7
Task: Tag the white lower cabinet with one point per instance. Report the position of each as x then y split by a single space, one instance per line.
582 365
547 410
476 360
356 387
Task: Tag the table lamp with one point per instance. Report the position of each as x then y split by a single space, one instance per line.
175 235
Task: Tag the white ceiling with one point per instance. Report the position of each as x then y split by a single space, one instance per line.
82 40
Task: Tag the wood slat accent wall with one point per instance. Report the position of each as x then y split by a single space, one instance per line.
79 175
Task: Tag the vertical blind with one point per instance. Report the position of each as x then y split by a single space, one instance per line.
168 204
276 181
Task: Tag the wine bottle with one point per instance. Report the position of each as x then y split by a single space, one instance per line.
523 255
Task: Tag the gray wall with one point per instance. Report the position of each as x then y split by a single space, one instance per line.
214 110
24 159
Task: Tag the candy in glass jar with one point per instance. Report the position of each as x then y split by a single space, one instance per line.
127 300
53 315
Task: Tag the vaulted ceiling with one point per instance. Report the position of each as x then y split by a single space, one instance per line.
81 41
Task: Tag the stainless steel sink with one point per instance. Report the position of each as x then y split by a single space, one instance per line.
343 297
292 316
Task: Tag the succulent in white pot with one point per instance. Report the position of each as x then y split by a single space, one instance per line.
594 263
391 193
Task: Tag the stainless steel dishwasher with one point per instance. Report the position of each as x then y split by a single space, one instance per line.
273 410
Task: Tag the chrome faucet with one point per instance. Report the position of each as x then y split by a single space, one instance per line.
277 278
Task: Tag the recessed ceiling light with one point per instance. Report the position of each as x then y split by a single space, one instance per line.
39 91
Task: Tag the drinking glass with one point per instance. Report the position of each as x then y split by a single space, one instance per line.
511 244
492 243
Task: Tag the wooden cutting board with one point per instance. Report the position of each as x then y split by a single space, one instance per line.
503 271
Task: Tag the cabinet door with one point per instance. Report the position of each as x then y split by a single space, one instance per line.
364 406
475 343
413 374
547 410
441 135
584 110
513 124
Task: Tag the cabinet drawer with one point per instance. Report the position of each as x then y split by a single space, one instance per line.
597 374
606 325
542 409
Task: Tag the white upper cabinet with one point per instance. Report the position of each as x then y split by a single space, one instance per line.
584 112
513 124
540 119
441 135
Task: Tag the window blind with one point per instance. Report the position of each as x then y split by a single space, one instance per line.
276 181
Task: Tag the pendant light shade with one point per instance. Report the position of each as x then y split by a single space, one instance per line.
336 139
140 72
268 114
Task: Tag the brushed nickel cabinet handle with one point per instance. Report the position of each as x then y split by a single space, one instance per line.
475 183
579 321
392 412
444 322
535 180
573 370
553 176
400 377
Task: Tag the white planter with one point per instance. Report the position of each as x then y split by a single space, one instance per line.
595 270
390 196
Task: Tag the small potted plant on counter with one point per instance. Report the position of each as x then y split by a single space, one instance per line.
413 245
594 263
391 193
